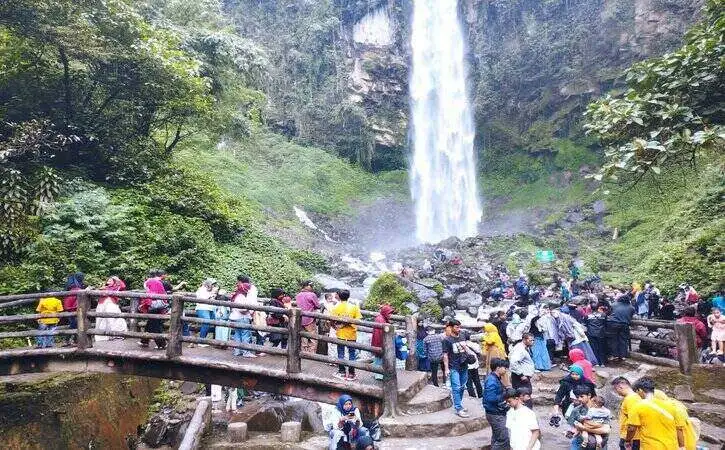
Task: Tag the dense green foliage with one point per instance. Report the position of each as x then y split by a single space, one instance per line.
279 174
387 289
96 96
674 109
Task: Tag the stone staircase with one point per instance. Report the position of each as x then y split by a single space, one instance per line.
429 421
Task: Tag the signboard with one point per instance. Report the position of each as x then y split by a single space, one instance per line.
545 256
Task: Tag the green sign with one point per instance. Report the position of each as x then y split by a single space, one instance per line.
545 256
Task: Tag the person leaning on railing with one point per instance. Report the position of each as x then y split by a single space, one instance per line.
307 301
48 305
346 332
154 306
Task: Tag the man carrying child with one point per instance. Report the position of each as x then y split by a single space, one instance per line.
590 421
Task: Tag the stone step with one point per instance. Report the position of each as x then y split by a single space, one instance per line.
270 441
478 440
712 434
437 424
429 399
410 383
708 412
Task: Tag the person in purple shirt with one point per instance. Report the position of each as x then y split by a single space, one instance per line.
307 301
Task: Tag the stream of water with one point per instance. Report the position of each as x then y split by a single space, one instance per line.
443 167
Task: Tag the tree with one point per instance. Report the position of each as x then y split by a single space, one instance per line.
674 108
96 70
89 88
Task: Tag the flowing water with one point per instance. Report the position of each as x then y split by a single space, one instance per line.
443 168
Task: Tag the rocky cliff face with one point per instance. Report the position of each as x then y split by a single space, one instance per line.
61 411
340 69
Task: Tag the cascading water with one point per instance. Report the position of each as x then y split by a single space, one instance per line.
443 172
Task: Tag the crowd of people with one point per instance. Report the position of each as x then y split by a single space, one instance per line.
582 327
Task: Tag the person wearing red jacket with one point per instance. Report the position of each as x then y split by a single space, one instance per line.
377 341
688 316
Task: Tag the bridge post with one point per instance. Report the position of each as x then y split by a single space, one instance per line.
686 346
173 346
133 323
390 380
294 341
411 334
84 340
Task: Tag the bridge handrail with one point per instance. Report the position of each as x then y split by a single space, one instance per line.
654 323
347 320
27 317
174 336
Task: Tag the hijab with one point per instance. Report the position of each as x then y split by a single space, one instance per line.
492 338
154 286
117 284
577 370
578 359
341 404
75 281
242 288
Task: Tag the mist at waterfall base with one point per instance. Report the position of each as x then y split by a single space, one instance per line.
443 167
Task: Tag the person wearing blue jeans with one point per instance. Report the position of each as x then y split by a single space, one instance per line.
46 341
243 335
352 356
205 327
455 366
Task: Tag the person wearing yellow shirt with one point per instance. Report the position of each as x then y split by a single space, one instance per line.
653 419
48 305
688 426
623 387
346 332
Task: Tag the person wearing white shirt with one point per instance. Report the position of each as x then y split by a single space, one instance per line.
207 291
524 431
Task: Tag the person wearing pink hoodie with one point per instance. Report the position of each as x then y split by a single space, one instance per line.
578 359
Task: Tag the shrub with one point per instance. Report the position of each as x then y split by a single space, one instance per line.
387 289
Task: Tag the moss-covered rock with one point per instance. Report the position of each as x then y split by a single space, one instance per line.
387 289
61 411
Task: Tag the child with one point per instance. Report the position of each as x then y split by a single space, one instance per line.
716 321
48 305
597 416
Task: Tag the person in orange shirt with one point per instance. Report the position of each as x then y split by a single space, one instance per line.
48 305
653 419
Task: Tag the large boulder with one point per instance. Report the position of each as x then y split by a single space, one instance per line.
330 283
422 292
309 414
469 300
266 417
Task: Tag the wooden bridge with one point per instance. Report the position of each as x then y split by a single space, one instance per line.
287 371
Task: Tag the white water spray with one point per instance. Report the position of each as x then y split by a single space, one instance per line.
443 172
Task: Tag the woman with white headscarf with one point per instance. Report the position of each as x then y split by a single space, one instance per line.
109 304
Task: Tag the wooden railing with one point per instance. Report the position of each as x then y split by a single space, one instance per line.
176 318
684 340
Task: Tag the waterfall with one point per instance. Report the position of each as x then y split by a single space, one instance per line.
443 167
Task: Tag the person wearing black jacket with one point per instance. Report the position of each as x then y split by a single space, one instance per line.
596 323
576 377
618 326
278 320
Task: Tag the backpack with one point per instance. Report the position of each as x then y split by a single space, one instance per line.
158 306
401 348
420 349
522 288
